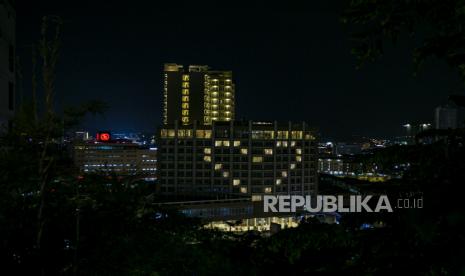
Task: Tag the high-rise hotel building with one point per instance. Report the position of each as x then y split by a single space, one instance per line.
197 93
237 157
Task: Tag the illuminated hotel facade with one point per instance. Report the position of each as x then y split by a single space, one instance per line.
197 93
237 157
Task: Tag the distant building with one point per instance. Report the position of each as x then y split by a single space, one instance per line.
348 148
197 94
412 129
7 62
445 117
240 157
326 149
81 136
119 157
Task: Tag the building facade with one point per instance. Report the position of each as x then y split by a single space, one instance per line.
7 62
240 157
197 94
116 157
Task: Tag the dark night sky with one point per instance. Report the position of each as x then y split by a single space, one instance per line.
294 61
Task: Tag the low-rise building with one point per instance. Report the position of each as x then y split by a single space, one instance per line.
120 157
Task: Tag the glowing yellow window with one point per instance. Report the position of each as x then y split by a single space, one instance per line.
207 150
284 173
218 166
225 174
278 144
278 181
243 151
185 98
298 158
284 143
236 182
207 158
218 143
208 134
185 77
267 190
298 151
226 143
268 151
243 190
185 112
257 159
171 133
292 166
185 92
185 85
256 198
200 133
185 106
292 143
237 143
185 119
164 133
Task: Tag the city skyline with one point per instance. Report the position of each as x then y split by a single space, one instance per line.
297 62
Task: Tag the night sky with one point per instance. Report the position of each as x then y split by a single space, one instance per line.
289 63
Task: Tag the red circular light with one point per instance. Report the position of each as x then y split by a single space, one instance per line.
104 137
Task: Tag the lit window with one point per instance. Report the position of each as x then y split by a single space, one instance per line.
207 158
225 174
298 151
296 134
185 119
283 134
163 133
309 137
267 190
298 158
236 182
256 198
278 144
278 181
208 134
218 166
284 173
243 151
185 105
292 166
257 159
243 190
185 77
237 143
185 85
200 133
185 112
207 150
292 143
284 143
226 143
185 98
185 92
268 151
218 143
171 133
